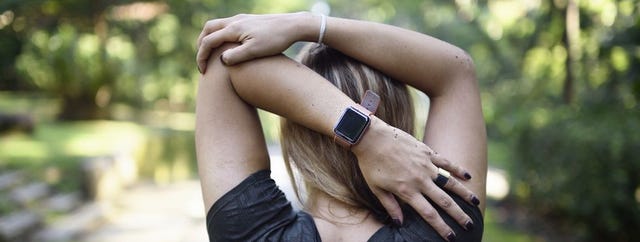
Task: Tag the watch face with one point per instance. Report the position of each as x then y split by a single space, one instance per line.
352 125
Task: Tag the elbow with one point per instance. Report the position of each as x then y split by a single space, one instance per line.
461 75
465 70
214 60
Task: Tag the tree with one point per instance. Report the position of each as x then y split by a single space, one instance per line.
91 54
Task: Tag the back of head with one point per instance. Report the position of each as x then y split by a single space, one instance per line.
322 164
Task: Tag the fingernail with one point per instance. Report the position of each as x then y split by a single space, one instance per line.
468 226
475 200
451 237
397 222
222 59
467 175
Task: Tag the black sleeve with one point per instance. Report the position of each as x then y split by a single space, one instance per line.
257 210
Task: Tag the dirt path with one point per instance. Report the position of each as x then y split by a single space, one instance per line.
167 213
150 212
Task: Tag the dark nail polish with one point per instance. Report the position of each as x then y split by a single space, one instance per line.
475 201
397 222
467 175
468 226
451 237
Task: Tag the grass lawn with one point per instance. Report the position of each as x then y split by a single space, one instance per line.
54 151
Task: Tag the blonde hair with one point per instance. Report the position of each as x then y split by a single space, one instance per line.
322 164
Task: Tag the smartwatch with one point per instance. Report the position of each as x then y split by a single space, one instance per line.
355 120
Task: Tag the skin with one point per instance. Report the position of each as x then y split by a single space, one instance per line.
230 144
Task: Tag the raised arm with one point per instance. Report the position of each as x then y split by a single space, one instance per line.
229 141
455 127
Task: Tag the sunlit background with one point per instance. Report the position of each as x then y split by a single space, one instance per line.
97 101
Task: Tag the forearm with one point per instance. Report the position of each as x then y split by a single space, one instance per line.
444 72
431 65
419 60
289 89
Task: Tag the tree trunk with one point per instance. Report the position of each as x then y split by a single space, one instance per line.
571 43
81 107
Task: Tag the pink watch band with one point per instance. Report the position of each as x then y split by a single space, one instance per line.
370 101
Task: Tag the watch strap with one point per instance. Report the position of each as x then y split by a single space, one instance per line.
341 141
370 101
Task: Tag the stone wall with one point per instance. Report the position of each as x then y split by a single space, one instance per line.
32 210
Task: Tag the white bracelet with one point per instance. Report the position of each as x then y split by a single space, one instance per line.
323 27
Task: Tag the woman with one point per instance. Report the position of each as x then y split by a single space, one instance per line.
353 181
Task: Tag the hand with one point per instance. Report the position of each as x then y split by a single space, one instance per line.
258 36
394 162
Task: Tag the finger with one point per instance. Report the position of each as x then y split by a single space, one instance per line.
209 43
456 187
210 27
452 167
444 201
441 180
431 216
239 54
390 204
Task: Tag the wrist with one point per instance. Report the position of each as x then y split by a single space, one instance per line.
355 120
308 26
371 137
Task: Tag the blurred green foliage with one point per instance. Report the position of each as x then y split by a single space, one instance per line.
496 230
582 169
559 81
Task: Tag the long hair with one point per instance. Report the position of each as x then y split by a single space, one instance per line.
321 163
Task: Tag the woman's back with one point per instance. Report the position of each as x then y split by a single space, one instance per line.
256 210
